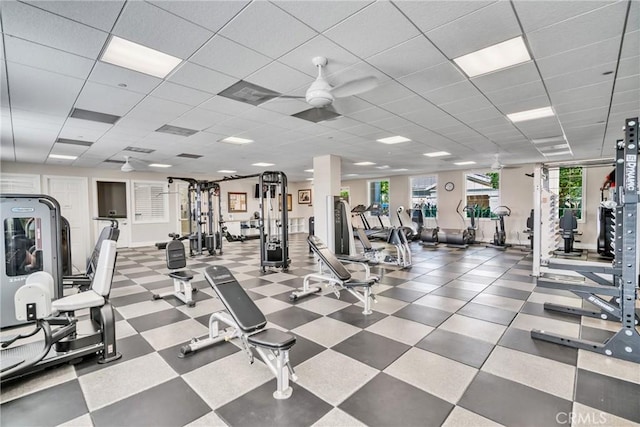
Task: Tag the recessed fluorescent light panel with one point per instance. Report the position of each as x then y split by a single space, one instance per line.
159 165
437 154
309 179
136 57
351 174
523 116
364 164
262 164
394 140
236 140
309 170
226 171
548 139
399 170
557 153
383 167
470 162
176 130
494 58
62 157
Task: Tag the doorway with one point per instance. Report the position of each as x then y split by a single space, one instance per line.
111 200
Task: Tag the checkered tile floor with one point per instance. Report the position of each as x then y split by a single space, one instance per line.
448 344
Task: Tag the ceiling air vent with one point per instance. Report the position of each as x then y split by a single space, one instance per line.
189 156
118 162
176 130
94 116
248 93
140 150
74 142
317 115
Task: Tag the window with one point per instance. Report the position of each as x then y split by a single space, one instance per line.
568 184
151 202
483 193
424 195
18 183
379 197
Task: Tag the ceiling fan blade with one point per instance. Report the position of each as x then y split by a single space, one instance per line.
355 87
290 97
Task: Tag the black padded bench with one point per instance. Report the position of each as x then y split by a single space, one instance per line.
247 323
340 277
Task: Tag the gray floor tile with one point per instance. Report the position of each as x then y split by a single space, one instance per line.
155 320
457 293
521 340
155 406
537 309
304 349
353 316
401 294
426 315
458 347
512 404
131 299
372 349
490 314
507 292
608 394
52 406
292 317
386 401
302 408
130 348
197 359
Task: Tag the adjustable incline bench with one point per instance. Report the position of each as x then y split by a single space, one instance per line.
247 323
340 278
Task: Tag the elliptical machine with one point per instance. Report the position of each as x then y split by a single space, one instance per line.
500 236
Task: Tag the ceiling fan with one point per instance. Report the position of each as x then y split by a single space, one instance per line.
127 167
320 95
496 165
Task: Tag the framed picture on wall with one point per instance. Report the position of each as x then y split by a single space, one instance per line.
237 202
289 202
304 197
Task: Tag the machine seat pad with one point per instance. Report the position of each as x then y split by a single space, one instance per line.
181 275
367 283
273 339
78 301
348 258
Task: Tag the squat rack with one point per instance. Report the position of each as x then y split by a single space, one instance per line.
625 343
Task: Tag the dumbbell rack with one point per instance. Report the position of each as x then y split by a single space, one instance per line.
623 290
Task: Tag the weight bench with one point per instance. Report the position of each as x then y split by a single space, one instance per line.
247 323
340 277
176 259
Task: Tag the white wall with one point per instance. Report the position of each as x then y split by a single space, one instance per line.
147 234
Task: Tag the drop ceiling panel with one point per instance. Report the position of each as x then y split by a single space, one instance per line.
229 57
629 67
457 91
351 104
301 57
578 59
371 115
407 58
41 91
160 111
106 99
471 32
587 77
583 104
224 105
46 58
321 15
584 118
33 24
385 93
263 116
513 76
594 91
583 30
4 88
356 71
181 94
628 96
433 14
38 120
622 85
199 119
286 106
534 15
158 29
478 115
210 15
432 78
392 122
280 77
465 105
201 78
115 76
380 26
98 14
272 32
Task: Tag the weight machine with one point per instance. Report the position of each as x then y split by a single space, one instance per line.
274 236
500 236
204 228
623 288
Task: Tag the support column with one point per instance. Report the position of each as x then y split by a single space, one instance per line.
326 182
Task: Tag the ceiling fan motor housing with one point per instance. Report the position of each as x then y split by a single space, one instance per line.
319 94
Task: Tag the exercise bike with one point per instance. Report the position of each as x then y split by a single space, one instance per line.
500 236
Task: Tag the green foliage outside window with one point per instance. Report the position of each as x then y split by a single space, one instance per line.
570 190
